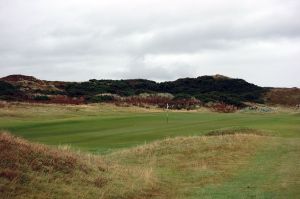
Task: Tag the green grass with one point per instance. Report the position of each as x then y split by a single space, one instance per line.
104 129
186 167
272 173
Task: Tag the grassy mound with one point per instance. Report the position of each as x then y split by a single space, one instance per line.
181 167
158 170
30 170
185 164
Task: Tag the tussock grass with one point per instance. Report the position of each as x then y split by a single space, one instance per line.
184 163
233 131
30 170
171 168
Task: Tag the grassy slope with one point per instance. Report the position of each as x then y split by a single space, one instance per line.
30 170
272 173
233 166
229 166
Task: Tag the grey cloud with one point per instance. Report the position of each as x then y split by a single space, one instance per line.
139 68
79 40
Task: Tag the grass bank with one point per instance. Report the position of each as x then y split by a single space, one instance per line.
226 166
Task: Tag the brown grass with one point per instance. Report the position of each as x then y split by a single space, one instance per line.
17 153
187 162
284 96
162 169
30 170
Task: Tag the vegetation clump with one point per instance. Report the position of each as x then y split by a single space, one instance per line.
9 91
41 98
207 89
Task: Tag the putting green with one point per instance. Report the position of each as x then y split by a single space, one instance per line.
101 129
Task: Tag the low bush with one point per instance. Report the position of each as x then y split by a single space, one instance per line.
41 98
100 98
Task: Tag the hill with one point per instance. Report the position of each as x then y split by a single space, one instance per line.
31 84
284 96
181 93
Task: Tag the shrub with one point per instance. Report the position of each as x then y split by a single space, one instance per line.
182 96
100 98
7 89
41 98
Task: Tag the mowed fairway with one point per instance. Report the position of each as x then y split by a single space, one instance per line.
105 127
188 166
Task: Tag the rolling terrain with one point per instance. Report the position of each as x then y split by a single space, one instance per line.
220 93
106 127
182 93
228 166
105 151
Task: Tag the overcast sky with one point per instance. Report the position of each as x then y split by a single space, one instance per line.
257 40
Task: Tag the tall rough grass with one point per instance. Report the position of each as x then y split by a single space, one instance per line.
30 170
163 169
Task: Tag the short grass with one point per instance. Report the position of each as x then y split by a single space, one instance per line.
102 128
196 154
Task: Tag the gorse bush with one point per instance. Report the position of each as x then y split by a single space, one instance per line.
7 89
41 98
205 88
182 96
100 98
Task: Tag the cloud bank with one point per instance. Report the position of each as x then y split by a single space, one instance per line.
159 40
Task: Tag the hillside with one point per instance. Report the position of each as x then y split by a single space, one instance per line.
284 96
31 84
181 93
